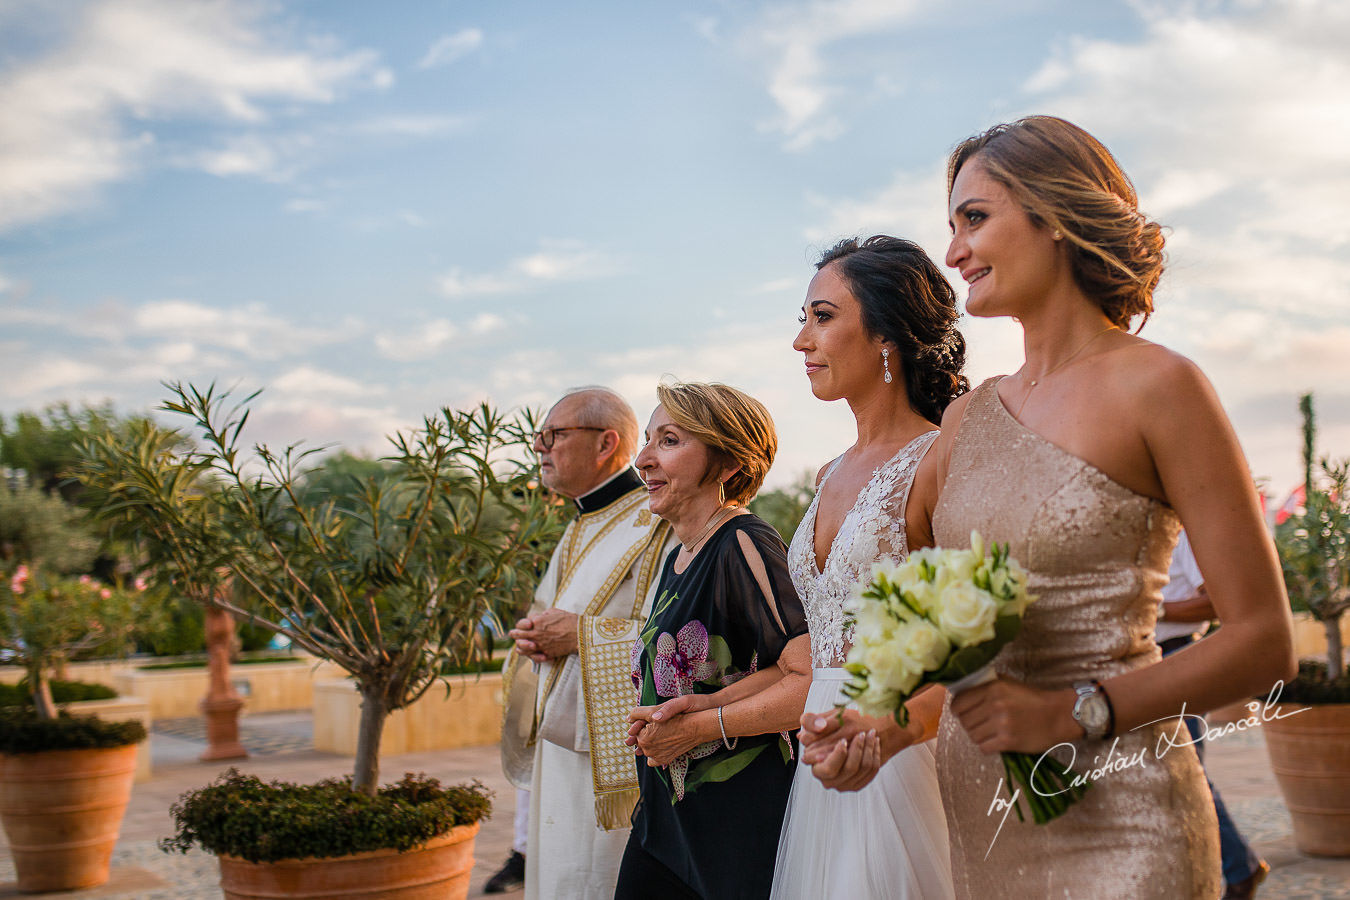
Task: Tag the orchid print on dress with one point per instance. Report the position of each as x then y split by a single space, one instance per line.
682 661
692 661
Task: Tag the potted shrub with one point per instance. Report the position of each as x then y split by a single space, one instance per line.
1308 750
396 582
64 781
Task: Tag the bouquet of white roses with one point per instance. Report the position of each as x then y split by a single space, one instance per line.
940 617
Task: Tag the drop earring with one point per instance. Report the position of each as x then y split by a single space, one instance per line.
886 364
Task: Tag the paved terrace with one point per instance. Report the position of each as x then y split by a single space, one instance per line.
282 749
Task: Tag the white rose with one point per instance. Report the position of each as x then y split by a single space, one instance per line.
890 669
967 615
957 567
873 622
925 645
876 700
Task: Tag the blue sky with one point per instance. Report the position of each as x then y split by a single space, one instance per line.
372 210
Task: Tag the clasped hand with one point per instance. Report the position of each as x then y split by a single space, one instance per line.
546 635
842 748
666 732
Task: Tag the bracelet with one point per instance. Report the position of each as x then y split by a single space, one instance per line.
730 745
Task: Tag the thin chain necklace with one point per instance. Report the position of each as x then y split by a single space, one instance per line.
712 523
1072 356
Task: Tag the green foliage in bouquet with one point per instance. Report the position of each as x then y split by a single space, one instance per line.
242 816
941 617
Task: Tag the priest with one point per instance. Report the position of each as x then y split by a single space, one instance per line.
573 650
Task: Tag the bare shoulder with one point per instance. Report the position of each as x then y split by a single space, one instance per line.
1152 379
820 476
934 463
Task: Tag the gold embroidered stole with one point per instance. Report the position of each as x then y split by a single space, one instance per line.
605 646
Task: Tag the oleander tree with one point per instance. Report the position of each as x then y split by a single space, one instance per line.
396 578
1314 545
51 610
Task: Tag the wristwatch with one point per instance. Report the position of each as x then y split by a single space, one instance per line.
1092 710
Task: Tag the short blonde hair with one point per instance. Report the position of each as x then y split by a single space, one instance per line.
736 427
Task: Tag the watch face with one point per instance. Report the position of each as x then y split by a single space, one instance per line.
1092 712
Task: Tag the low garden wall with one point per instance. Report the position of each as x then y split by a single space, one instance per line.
470 716
266 687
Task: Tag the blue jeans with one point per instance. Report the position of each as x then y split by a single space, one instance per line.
1239 862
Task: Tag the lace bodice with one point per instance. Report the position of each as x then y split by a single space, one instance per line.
874 528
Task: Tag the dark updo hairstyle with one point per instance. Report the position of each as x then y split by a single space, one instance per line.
1065 179
906 301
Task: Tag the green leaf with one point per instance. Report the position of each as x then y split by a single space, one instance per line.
720 767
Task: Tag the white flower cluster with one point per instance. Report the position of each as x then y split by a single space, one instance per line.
936 617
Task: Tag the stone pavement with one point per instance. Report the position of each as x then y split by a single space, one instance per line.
282 749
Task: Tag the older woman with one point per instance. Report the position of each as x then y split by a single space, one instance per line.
727 638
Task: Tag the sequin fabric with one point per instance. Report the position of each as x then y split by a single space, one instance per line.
873 529
1097 554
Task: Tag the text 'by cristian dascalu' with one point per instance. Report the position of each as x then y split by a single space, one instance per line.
1113 761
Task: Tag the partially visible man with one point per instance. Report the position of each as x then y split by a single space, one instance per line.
589 609
1184 615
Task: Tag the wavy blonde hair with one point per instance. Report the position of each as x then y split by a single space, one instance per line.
734 426
1066 179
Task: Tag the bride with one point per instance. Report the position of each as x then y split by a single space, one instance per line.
877 331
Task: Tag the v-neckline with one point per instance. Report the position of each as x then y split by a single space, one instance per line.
817 570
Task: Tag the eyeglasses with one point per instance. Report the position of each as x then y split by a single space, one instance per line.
546 437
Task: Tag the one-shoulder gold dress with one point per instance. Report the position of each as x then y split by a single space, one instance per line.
1097 554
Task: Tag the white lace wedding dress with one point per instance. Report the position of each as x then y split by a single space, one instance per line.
888 840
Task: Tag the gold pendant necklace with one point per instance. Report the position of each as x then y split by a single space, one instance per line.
1072 356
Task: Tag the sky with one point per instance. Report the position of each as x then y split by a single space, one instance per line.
371 211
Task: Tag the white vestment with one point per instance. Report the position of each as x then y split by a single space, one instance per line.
584 783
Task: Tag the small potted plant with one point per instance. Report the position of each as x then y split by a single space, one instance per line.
396 581
1308 746
64 781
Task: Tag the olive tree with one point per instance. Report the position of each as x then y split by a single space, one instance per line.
395 582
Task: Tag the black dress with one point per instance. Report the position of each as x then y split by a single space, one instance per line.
711 819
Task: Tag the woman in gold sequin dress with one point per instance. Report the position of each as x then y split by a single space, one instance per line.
1085 460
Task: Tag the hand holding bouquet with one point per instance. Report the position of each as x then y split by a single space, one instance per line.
940 617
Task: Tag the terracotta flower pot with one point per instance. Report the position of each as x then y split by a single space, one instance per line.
437 870
1309 757
62 810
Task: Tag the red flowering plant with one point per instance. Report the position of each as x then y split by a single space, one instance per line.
48 619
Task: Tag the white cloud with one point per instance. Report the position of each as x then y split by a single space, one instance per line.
423 341
250 155
1232 120
795 38
304 204
410 125
250 330
554 261
451 47
80 116
309 382
429 338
